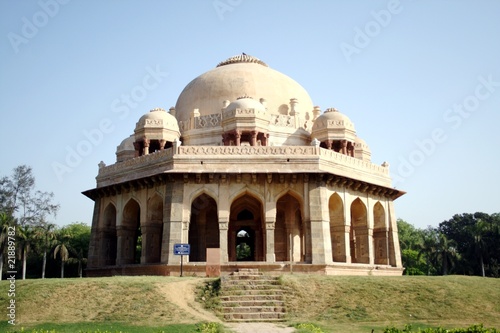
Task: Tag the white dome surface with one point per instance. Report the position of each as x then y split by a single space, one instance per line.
241 76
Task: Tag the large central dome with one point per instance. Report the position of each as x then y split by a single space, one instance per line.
241 75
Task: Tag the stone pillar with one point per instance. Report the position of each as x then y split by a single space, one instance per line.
328 144
125 245
320 224
253 140
146 146
347 221
223 213
343 147
151 251
394 249
172 220
223 232
162 144
307 221
237 138
137 148
94 253
270 223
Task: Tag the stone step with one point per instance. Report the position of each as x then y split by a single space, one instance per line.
250 284
247 271
247 295
253 309
247 292
265 317
246 298
252 303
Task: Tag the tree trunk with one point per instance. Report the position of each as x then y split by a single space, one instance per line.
482 265
1 266
62 269
80 268
24 263
44 263
445 265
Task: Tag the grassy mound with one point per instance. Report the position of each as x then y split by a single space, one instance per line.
377 302
336 304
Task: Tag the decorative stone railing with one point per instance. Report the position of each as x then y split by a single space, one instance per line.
322 160
215 120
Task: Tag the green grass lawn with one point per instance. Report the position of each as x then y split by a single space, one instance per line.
336 304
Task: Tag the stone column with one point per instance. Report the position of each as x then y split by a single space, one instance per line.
237 138
137 148
253 140
320 224
94 253
162 144
223 232
150 243
146 146
394 249
347 221
270 255
125 245
223 213
172 220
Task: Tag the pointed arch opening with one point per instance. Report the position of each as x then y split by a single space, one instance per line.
359 235
152 231
203 227
337 228
130 234
289 230
246 230
108 240
380 235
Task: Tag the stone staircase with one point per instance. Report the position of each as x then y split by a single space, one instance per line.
249 296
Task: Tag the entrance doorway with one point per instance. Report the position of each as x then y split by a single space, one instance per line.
246 231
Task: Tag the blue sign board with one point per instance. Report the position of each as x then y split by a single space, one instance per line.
182 249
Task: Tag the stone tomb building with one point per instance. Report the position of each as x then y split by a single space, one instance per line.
244 163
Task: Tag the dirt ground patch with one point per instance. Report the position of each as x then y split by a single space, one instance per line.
182 295
259 327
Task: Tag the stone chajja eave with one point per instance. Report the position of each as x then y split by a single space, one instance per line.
244 159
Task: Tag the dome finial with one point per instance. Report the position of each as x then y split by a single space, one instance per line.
242 58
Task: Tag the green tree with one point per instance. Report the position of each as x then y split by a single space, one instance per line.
62 248
45 235
410 239
25 240
20 199
446 252
5 222
477 239
78 244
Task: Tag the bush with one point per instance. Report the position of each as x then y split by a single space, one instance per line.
308 328
471 329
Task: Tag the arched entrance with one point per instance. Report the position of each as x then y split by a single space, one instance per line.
152 231
337 228
129 234
246 230
380 235
288 232
203 227
107 230
359 233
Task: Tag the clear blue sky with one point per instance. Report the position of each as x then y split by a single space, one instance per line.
419 79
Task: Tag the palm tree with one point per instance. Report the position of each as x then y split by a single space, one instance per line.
46 236
446 251
80 260
62 248
25 239
427 248
5 222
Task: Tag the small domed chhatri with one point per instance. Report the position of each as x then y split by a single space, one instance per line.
244 151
